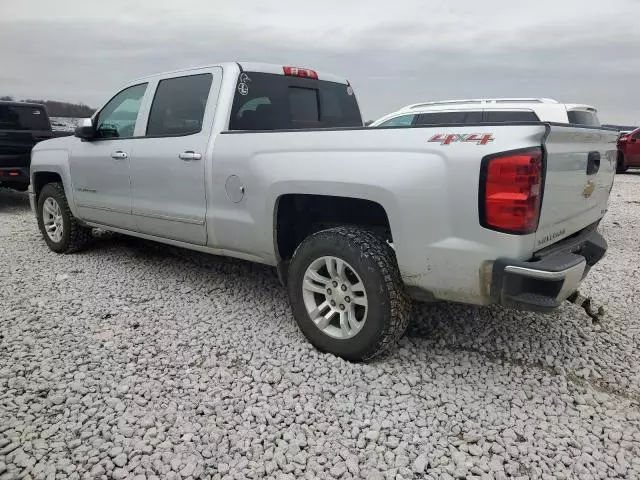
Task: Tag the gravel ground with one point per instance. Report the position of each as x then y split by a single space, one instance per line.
133 360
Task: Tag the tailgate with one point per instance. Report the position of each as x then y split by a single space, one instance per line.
580 167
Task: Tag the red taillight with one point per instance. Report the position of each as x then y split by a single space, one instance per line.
511 188
300 72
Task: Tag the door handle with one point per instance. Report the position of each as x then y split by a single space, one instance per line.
119 155
190 155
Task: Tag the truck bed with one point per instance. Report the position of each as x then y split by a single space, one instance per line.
430 193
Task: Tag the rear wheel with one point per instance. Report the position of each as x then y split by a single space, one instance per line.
346 293
60 229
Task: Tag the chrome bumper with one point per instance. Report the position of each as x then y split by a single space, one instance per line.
543 284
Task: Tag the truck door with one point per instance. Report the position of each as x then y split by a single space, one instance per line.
169 166
100 167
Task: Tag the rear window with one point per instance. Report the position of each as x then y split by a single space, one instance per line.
460 116
303 104
265 101
498 116
583 117
19 117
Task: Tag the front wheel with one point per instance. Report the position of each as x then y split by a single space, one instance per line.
60 229
346 293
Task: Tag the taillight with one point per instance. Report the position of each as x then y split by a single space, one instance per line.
300 72
511 191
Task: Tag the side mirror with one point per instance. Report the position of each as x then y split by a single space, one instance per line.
86 131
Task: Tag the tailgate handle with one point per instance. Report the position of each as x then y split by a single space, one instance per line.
593 163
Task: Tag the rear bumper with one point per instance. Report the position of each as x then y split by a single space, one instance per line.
543 283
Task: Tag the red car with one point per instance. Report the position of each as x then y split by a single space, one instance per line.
629 151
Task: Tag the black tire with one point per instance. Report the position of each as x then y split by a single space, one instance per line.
74 235
620 166
374 261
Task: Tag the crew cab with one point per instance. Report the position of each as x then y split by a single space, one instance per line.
22 125
629 151
272 164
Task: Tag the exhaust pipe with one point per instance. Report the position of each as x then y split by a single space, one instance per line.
585 302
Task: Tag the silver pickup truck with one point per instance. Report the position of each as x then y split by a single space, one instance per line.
272 164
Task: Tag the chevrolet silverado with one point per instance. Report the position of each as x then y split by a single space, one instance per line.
272 164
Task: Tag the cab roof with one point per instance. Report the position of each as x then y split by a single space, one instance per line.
257 67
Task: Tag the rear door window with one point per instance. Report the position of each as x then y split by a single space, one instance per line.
583 117
23 117
178 106
503 116
265 101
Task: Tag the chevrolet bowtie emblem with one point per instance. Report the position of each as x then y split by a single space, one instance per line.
588 189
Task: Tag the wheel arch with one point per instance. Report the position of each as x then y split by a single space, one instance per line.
42 174
40 178
296 216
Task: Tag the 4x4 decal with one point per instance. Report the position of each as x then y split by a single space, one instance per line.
449 138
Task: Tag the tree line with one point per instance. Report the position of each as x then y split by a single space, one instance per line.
60 109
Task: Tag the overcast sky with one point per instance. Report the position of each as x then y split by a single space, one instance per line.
394 52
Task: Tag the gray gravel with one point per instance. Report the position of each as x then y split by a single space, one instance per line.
133 360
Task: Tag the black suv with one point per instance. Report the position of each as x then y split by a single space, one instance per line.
22 125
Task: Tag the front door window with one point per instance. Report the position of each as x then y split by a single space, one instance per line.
118 117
